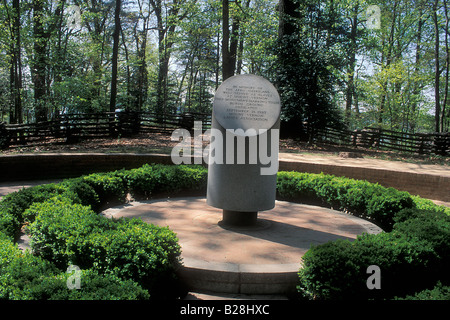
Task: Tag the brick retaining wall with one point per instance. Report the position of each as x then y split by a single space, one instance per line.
50 166
429 186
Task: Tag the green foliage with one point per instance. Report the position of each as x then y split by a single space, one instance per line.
57 228
66 233
308 55
8 224
439 292
8 251
150 179
337 270
110 186
362 198
417 241
383 205
428 205
27 277
134 250
14 204
93 286
430 226
81 192
412 257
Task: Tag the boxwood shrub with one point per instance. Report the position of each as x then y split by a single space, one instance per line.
65 228
145 253
360 198
63 222
414 256
438 292
150 179
66 233
413 252
110 187
14 204
338 270
24 276
57 227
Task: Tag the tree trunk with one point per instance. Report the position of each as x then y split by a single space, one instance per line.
17 64
351 66
227 66
416 90
127 63
164 46
390 45
447 66
115 53
39 61
437 72
288 11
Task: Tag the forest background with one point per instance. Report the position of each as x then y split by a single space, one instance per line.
353 63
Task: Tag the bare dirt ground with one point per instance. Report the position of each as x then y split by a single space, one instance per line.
162 143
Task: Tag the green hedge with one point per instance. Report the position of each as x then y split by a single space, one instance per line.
360 198
338 270
148 180
65 228
438 292
24 276
414 256
72 234
413 253
57 227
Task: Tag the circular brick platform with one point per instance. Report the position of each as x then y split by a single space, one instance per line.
263 259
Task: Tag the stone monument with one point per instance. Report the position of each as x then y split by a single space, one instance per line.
243 158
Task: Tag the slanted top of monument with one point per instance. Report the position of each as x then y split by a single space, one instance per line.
247 102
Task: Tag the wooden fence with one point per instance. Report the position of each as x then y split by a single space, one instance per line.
381 139
74 127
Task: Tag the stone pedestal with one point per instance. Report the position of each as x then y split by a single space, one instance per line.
243 159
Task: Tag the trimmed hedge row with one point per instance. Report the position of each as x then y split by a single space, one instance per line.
413 254
121 259
129 250
24 276
360 198
71 234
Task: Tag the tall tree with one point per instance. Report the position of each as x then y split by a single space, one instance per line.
355 15
308 57
417 63
39 64
17 63
230 40
447 70
115 54
15 70
437 71
167 22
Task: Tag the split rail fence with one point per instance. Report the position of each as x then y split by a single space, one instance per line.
74 127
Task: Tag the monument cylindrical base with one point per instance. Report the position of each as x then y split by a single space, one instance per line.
239 218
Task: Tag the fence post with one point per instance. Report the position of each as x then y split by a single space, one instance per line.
355 138
4 136
187 121
441 144
421 144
